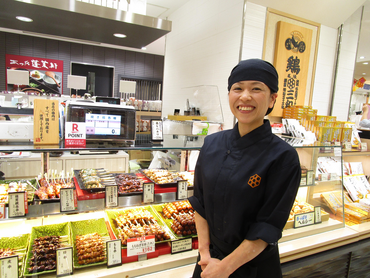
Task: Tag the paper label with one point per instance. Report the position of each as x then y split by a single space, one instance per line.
9 267
364 147
114 253
347 146
68 200
304 219
182 190
181 245
17 204
64 261
2 211
318 215
310 180
140 245
148 192
111 196
338 152
75 134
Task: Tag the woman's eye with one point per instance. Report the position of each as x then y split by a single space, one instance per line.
256 89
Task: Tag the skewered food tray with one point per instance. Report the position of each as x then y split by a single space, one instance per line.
137 222
93 180
16 245
128 184
89 239
7 186
162 177
44 241
179 217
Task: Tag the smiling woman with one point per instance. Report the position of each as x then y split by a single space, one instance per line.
245 183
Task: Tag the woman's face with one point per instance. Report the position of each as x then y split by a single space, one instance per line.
249 101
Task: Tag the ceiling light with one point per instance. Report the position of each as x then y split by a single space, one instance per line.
118 35
23 18
143 48
364 73
366 63
362 57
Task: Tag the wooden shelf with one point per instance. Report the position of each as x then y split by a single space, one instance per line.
149 113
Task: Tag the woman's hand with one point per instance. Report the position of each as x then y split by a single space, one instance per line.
204 260
213 269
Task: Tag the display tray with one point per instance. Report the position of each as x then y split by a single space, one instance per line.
121 192
54 186
29 188
84 228
62 230
162 184
159 211
19 245
102 174
112 216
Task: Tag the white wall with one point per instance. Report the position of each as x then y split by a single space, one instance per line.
205 43
201 49
346 66
323 81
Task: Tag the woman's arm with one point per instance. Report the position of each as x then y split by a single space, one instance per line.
203 240
365 111
246 251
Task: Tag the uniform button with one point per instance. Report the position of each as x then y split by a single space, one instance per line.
228 151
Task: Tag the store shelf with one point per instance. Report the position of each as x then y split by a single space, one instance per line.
149 113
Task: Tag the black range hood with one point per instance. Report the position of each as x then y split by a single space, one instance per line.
82 21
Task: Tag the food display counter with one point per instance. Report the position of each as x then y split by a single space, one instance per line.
317 225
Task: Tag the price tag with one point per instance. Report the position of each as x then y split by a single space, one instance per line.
333 176
2 211
140 245
9 267
181 245
347 146
148 192
364 147
64 261
337 151
111 196
304 219
68 200
324 177
182 190
114 253
303 181
17 204
310 177
318 215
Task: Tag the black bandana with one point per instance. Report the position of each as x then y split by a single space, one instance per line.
258 70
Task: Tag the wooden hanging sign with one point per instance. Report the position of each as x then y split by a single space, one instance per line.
291 60
45 122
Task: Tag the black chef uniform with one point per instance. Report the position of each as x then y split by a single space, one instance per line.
245 188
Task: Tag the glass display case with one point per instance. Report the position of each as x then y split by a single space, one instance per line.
318 209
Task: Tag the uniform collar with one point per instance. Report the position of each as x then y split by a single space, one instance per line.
258 134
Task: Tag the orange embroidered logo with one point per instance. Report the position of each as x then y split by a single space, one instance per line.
254 181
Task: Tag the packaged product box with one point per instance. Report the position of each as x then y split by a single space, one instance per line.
329 124
320 123
337 134
339 124
346 134
321 118
331 118
325 134
333 199
361 208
